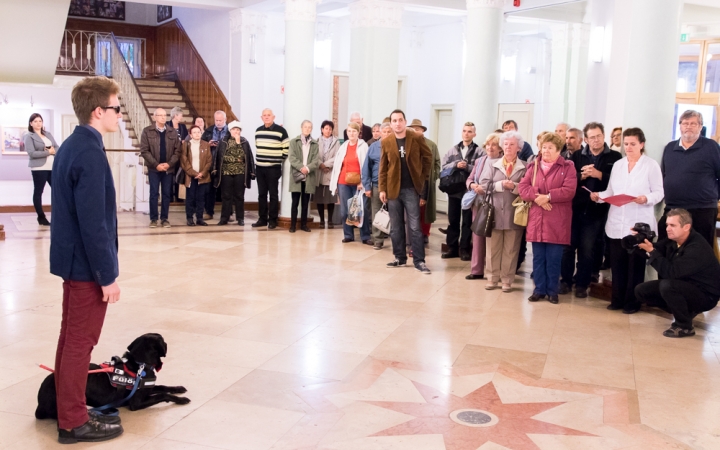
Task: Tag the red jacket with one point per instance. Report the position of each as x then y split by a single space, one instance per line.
550 227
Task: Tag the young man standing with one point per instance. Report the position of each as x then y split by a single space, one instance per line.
405 162
83 252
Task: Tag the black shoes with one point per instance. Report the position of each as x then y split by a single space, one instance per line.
223 222
612 307
201 223
292 229
564 288
465 256
442 230
536 297
259 223
450 254
92 431
677 332
305 228
345 241
368 242
396 263
241 222
42 221
581 292
331 225
474 277
190 223
322 224
554 299
272 225
103 418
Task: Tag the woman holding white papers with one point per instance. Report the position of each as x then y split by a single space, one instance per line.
637 176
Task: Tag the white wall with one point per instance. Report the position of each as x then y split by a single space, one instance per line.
55 99
209 31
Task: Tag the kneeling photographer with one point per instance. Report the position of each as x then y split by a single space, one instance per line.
689 274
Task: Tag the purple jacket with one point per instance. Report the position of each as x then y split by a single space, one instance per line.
550 227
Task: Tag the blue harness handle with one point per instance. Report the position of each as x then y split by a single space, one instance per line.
115 404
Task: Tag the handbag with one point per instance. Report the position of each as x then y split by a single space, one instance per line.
522 208
484 220
469 197
352 178
298 176
382 219
452 181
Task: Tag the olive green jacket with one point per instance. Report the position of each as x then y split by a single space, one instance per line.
295 156
431 208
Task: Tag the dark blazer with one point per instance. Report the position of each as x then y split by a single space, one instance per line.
218 161
582 203
419 161
365 133
83 234
150 147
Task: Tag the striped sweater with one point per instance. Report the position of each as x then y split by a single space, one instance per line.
272 145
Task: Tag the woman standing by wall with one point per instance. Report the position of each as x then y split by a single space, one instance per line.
328 147
550 215
304 163
40 147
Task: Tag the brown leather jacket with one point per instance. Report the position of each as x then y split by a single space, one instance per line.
150 147
205 162
419 160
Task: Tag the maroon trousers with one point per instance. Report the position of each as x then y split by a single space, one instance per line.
83 314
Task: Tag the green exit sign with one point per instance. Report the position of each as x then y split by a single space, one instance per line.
685 37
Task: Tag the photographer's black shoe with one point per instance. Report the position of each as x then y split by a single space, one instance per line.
90 431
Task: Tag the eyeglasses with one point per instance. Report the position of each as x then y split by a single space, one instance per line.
114 108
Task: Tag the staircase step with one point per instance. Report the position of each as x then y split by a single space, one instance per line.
154 83
158 90
164 103
156 96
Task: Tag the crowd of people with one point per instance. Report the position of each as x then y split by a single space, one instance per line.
561 192
560 200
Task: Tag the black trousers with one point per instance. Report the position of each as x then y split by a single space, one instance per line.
304 200
583 238
233 194
683 299
212 191
195 199
523 249
40 177
267 179
703 222
458 235
628 271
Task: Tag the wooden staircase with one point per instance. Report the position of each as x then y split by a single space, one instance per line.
165 94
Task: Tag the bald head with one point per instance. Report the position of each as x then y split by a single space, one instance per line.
160 116
356 117
267 116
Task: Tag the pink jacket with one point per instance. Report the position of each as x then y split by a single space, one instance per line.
550 227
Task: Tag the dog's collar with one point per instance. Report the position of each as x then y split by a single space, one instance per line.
122 377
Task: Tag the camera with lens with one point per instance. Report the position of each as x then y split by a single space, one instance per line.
630 242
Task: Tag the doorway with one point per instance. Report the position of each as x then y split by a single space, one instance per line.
443 133
523 114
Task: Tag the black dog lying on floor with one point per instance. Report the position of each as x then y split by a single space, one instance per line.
111 388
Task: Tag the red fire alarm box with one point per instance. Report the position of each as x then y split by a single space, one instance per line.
516 3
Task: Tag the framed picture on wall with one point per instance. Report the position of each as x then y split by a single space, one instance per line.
114 10
164 13
12 140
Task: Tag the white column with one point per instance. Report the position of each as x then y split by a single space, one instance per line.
577 70
559 75
654 49
299 67
482 63
374 54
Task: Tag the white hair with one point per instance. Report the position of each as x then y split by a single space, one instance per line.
221 112
512 135
385 125
564 124
304 122
176 111
355 114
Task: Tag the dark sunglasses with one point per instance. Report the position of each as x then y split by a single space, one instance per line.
114 108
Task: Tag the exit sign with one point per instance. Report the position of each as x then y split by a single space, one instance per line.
684 37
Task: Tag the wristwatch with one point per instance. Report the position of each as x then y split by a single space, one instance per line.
548 196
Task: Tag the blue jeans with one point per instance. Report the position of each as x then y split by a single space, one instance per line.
346 192
408 202
158 179
584 235
546 267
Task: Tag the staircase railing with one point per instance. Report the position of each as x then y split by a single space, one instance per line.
130 96
175 52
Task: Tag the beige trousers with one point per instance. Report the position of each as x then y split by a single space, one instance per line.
502 255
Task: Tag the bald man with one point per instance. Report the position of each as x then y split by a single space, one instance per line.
160 148
272 144
366 133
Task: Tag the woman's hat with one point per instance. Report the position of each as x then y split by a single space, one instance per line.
417 123
234 124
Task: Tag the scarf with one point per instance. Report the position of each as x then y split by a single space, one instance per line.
508 166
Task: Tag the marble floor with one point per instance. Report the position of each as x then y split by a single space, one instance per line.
297 341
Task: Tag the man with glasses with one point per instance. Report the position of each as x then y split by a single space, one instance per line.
593 164
691 170
160 148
